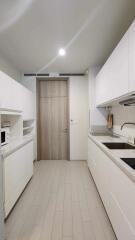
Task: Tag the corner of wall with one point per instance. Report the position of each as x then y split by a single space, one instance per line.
8 68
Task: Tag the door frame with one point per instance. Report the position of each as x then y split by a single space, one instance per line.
38 79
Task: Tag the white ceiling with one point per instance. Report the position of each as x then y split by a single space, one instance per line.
32 31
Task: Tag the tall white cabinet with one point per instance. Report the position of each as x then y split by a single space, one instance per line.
1 202
16 107
132 57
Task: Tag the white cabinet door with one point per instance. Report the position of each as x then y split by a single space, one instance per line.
102 95
98 168
112 80
121 203
10 97
119 69
132 58
14 96
5 90
27 104
18 169
91 159
104 83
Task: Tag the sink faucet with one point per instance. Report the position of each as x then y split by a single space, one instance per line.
126 123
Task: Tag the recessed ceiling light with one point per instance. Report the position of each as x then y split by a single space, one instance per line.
62 52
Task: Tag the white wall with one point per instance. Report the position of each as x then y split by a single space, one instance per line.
124 114
97 117
9 69
78 99
78 103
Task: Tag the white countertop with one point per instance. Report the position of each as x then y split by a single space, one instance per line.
14 145
116 155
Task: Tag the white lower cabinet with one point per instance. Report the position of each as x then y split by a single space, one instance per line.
116 190
18 170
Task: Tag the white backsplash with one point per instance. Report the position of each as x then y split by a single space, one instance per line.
124 114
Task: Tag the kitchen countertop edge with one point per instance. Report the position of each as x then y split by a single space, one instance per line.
16 145
125 168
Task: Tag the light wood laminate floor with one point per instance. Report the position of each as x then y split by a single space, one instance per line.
60 203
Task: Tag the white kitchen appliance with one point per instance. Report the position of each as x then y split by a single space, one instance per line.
5 132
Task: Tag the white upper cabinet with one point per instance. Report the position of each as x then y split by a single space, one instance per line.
117 77
14 96
9 93
118 71
103 92
27 104
112 80
132 58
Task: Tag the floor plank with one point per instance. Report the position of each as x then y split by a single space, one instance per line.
60 203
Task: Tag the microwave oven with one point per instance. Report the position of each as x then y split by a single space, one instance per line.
5 135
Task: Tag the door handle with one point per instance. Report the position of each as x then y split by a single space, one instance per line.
65 130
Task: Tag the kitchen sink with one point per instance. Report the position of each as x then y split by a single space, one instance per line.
118 145
129 161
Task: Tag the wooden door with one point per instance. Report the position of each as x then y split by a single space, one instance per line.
53 104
